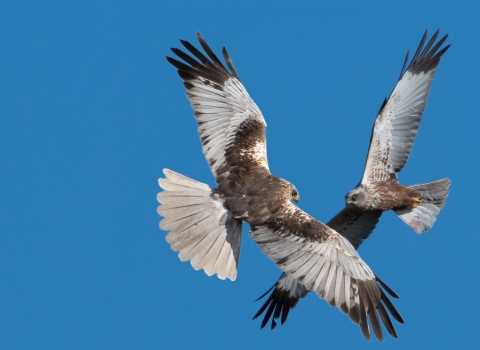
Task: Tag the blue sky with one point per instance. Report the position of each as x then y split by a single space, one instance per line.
91 112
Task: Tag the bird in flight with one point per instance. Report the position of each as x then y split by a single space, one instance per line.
205 223
391 142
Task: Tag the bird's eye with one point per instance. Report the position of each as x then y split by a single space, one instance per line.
354 197
294 193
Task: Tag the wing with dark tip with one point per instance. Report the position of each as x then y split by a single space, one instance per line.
230 125
317 257
352 224
398 120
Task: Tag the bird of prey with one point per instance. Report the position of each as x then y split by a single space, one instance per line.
392 138
205 223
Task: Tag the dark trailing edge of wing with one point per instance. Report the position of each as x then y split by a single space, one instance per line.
279 304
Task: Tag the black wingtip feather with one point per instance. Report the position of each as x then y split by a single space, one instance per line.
386 321
419 48
377 328
429 45
387 288
177 64
441 52
354 314
276 314
366 295
267 315
263 307
199 66
365 330
279 304
393 311
260 297
285 311
187 58
195 51
208 50
436 47
402 72
363 319
230 65
185 76
426 58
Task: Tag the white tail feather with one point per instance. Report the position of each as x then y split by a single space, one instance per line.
421 218
201 229
434 195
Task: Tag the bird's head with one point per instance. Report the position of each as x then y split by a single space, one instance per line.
294 194
356 197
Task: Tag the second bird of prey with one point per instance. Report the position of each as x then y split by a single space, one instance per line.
392 138
205 223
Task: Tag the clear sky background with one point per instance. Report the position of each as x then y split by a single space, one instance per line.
91 112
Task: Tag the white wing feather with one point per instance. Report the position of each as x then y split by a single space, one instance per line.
397 123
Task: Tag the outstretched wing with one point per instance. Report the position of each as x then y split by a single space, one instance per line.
351 223
326 263
230 125
399 118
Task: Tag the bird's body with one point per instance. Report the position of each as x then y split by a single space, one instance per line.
254 196
384 195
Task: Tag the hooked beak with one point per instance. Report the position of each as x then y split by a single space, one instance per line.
296 199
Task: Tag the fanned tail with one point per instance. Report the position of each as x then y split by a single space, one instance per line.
201 229
434 196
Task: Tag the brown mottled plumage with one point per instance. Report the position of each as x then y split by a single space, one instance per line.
385 195
205 223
